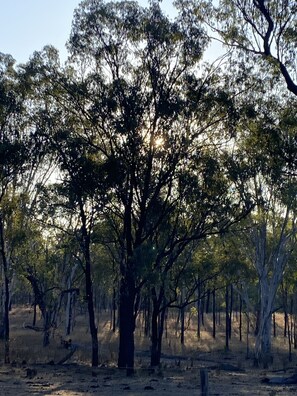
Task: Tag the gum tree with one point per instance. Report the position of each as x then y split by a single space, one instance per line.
137 63
261 31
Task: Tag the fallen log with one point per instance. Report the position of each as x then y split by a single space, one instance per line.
281 380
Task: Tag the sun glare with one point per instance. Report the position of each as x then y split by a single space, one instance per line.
159 142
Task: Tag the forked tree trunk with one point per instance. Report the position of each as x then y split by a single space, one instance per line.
270 268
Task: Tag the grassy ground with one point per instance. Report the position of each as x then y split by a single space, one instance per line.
34 369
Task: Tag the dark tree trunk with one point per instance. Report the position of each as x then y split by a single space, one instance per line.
34 313
240 318
247 336
147 317
157 330
207 301
230 311
199 310
227 318
47 321
85 244
274 325
91 310
214 313
114 310
127 324
182 321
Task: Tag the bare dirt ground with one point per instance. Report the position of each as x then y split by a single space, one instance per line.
34 369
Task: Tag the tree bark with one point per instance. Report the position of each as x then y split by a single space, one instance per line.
263 340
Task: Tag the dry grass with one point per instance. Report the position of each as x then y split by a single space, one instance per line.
179 371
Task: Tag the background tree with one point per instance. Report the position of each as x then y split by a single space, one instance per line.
268 147
14 156
259 30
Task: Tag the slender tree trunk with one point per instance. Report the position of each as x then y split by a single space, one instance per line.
114 310
182 321
214 313
199 310
91 310
230 310
155 353
247 336
69 305
158 320
89 287
6 293
227 318
207 301
274 326
240 318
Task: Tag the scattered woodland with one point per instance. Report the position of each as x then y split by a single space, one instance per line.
148 188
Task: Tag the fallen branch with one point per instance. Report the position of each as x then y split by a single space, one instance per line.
68 356
35 328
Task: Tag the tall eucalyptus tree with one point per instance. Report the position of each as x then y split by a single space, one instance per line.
269 147
146 110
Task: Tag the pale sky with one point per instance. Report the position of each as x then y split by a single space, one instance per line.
28 25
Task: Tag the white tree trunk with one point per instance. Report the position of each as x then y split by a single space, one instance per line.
270 266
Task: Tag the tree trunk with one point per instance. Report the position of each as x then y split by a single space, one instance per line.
157 330
69 305
230 310
34 313
263 340
91 311
214 313
46 328
240 318
227 324
127 324
114 310
182 321
199 310
85 245
6 293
